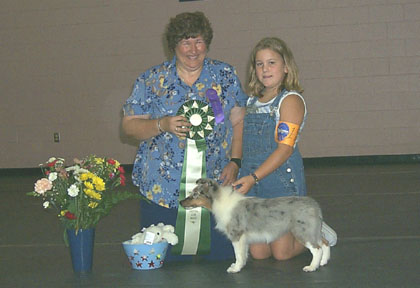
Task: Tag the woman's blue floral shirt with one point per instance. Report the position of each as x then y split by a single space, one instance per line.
159 92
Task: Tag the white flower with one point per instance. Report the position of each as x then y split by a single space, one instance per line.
73 191
77 169
52 159
52 176
46 204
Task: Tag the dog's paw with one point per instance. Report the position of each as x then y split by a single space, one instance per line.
309 268
324 261
234 268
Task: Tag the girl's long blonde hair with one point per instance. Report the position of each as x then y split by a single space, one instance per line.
290 81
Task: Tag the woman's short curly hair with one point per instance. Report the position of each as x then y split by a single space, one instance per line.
188 25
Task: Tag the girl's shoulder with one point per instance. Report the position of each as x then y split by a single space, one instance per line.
292 97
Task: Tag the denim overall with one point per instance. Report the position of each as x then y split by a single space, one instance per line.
258 144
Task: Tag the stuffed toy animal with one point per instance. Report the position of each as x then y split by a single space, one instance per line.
155 234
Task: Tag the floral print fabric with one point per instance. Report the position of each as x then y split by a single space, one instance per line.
159 92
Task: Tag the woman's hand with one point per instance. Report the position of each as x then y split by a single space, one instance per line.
229 173
245 184
177 125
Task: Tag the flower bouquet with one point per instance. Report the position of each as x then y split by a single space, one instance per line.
81 194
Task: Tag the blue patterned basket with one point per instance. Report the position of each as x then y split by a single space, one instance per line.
145 257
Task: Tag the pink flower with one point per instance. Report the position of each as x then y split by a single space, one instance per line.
43 185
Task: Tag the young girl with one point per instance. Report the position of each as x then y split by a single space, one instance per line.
272 164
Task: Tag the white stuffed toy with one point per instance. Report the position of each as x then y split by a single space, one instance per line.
155 234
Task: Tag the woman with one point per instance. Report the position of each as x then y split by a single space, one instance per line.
276 113
150 116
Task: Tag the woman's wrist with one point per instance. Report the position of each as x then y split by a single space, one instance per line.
159 126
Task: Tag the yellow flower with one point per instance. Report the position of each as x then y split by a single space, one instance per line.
100 186
84 176
157 189
149 195
218 89
97 196
199 86
99 160
88 185
63 212
161 81
224 144
99 183
162 203
93 204
88 191
93 194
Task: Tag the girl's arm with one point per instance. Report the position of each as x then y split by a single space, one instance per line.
292 110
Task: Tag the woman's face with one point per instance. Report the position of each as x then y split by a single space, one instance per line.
190 53
270 68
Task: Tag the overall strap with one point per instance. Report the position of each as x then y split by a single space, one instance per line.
274 107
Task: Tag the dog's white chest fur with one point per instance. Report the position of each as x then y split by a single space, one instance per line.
222 209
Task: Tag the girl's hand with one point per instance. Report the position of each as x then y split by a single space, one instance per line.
245 184
229 174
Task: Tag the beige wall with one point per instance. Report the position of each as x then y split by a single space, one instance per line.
67 66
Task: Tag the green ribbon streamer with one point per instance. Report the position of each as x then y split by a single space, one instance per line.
201 147
203 246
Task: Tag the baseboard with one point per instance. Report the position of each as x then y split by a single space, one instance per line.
363 160
313 161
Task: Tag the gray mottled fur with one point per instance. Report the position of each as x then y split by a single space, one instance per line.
246 220
299 215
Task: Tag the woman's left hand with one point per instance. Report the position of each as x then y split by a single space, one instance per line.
229 174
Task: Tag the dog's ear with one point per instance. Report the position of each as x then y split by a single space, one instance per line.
201 181
214 184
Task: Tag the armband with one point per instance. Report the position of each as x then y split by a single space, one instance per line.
286 133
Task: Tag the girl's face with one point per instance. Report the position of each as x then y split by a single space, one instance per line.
270 68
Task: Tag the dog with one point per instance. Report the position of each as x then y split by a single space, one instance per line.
246 220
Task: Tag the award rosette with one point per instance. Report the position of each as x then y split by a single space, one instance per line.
193 225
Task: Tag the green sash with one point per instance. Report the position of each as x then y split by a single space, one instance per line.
193 225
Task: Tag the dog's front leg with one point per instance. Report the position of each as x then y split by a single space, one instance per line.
241 254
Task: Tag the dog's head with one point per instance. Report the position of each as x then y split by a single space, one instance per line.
202 195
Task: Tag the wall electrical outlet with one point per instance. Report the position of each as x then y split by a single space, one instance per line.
56 137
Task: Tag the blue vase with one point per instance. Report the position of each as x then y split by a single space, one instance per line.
81 249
